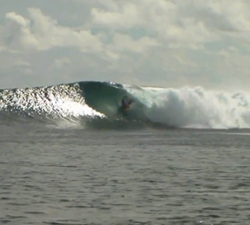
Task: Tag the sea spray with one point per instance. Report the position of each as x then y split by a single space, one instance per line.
196 107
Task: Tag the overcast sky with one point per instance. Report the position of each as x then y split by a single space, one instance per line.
171 43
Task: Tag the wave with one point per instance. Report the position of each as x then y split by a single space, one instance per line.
98 105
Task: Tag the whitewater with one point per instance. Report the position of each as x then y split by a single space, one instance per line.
96 102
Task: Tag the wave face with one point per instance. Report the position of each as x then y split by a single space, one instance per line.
97 105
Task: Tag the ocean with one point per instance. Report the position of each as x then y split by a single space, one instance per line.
69 156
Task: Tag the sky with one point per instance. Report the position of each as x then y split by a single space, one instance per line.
170 43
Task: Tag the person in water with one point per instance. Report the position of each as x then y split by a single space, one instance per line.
126 102
125 105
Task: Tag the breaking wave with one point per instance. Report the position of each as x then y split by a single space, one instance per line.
97 105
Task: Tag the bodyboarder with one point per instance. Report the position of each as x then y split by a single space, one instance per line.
125 105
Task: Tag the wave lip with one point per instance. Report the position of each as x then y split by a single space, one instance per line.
98 104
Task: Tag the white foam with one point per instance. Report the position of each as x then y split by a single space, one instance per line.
195 107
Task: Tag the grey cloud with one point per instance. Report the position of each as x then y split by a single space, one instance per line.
167 42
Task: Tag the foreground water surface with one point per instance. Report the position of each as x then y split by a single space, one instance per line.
59 175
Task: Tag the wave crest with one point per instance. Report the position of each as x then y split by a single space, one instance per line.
97 104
